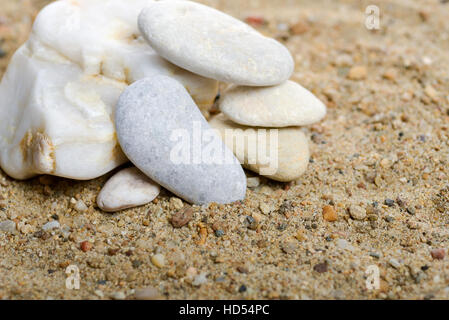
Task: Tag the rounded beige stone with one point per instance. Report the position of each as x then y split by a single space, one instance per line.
284 105
128 188
287 149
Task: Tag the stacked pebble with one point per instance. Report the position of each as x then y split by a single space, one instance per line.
206 46
284 107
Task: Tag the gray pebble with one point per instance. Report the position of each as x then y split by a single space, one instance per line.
164 134
148 293
8 226
199 280
394 263
51 225
118 296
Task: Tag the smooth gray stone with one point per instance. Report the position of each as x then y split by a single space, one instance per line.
213 44
157 122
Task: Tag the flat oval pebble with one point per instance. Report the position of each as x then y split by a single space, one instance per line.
213 44
284 105
129 188
162 132
286 162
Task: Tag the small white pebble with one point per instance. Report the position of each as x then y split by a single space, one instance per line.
8 226
51 225
427 61
158 260
394 263
148 293
282 27
118 296
176 203
253 182
264 208
80 206
191 272
199 280
357 212
99 293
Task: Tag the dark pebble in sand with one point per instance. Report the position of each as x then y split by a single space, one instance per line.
242 288
219 233
251 223
321 267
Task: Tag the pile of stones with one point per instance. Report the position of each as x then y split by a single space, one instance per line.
103 82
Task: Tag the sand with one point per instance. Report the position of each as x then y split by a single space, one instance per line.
385 137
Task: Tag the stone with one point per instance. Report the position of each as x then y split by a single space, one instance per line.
200 280
279 154
79 58
253 182
182 217
224 48
118 296
51 225
158 260
357 73
264 208
394 263
164 134
344 244
129 188
357 212
99 293
80 206
284 105
148 293
86 246
8 226
176 203
329 214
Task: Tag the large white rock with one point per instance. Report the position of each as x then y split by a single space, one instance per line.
128 188
288 104
59 93
213 44
279 154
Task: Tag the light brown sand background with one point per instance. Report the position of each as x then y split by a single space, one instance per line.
385 136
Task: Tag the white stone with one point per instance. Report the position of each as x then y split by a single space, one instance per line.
59 92
148 293
99 293
253 182
287 104
158 260
128 188
279 154
51 225
80 206
357 212
344 245
8 226
213 44
165 135
200 280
